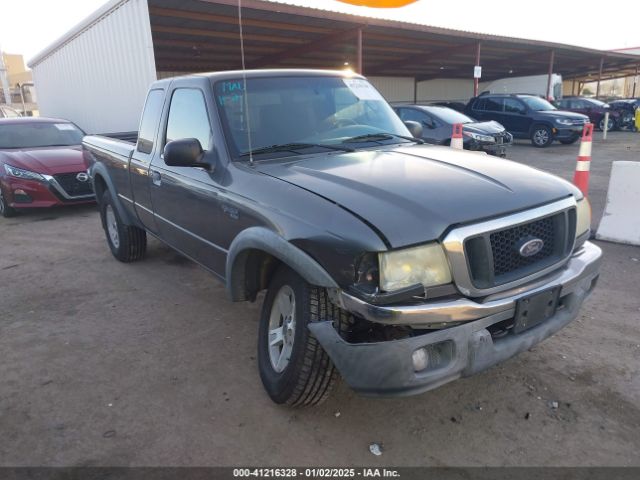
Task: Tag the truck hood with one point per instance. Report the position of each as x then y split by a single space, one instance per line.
413 194
47 160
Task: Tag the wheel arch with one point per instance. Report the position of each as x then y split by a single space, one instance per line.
255 254
101 183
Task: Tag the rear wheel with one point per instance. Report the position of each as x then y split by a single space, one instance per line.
5 210
294 368
611 124
541 136
127 243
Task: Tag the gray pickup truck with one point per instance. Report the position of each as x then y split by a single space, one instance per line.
399 265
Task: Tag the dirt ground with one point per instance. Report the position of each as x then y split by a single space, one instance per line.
108 364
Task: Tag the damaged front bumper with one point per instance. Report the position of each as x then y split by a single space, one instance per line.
391 368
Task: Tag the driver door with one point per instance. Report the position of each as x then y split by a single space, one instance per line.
186 200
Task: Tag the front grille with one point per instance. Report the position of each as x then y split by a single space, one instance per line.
505 245
494 258
72 186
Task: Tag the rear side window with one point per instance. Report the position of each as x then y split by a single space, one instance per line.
511 105
493 104
188 117
479 104
150 120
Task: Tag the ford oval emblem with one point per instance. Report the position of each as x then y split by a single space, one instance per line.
530 247
82 177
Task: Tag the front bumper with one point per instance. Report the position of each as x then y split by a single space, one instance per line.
27 193
387 368
566 133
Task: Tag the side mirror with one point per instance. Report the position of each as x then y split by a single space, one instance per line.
414 127
186 152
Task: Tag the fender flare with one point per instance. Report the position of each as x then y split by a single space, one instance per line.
261 238
98 169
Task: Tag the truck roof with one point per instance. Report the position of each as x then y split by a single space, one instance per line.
261 73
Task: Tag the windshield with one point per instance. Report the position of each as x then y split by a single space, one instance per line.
537 104
304 110
449 115
34 135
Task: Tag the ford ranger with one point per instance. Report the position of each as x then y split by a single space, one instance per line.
398 265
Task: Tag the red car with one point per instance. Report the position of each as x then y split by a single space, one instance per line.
41 164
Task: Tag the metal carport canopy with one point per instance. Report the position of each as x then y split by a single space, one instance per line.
203 35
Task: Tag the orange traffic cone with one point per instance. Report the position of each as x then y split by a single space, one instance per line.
456 138
581 177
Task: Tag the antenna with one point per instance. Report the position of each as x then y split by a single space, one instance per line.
244 81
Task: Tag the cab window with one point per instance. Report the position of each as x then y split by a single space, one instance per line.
150 120
188 117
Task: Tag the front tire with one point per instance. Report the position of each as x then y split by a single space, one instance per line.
541 136
294 368
127 243
5 210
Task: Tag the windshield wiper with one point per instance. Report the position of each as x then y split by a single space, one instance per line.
375 137
292 147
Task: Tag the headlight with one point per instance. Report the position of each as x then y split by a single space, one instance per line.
20 173
425 264
583 214
564 121
479 137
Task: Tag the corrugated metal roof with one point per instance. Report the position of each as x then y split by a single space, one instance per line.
274 28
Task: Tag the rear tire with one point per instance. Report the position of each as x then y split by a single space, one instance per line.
294 368
5 210
612 124
541 136
127 243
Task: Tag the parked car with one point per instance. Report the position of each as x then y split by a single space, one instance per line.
626 107
457 106
528 116
592 108
401 265
8 112
41 164
437 128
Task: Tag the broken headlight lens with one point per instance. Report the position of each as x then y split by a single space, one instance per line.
426 265
583 217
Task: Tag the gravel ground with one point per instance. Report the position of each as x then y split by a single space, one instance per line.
148 364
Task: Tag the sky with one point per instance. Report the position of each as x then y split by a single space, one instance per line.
566 21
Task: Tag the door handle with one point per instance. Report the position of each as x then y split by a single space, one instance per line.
156 178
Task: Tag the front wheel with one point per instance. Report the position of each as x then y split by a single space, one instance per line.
541 136
5 210
294 368
127 243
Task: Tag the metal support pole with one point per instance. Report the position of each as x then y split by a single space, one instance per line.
635 81
415 90
551 59
606 126
359 40
599 77
476 81
24 110
573 86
